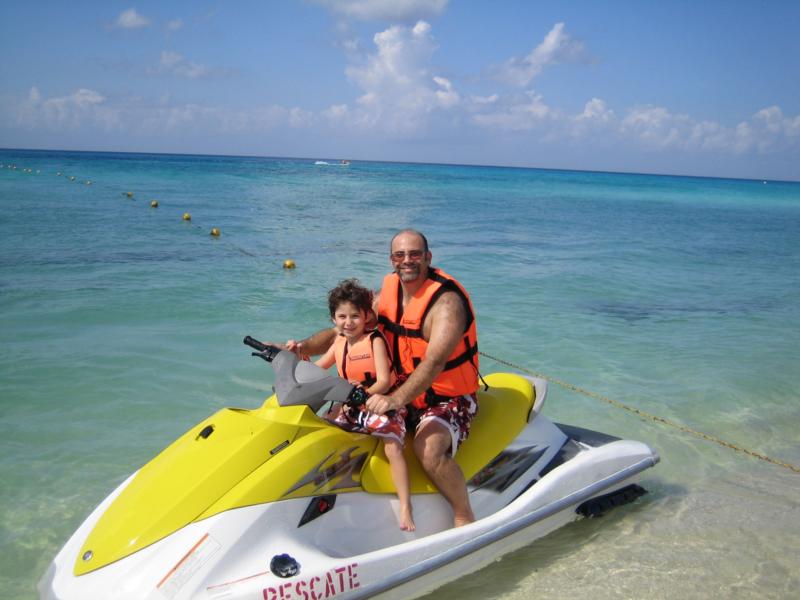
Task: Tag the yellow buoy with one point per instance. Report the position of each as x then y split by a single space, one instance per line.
129 194
215 232
154 204
289 264
187 217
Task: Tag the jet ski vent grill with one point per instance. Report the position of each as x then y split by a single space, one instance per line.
597 507
207 431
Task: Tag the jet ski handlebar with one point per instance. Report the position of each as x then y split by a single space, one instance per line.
265 351
301 382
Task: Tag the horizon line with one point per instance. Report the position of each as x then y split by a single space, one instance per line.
407 162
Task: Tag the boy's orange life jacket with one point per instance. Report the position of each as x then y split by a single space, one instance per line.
356 362
403 330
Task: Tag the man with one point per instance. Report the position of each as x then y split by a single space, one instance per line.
428 319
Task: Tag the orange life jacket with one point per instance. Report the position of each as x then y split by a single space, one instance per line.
356 362
403 330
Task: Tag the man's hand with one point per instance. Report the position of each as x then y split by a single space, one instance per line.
380 404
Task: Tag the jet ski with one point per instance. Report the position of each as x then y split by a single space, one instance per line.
276 503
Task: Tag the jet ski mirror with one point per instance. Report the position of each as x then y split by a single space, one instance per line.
300 382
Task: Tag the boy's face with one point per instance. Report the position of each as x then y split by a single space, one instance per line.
349 320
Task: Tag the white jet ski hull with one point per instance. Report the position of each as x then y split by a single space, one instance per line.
356 550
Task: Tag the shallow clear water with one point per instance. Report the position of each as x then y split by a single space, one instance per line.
121 327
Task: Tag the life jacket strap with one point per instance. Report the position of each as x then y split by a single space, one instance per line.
399 330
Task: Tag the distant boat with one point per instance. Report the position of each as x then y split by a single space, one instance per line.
344 163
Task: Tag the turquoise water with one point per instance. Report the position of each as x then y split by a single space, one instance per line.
121 327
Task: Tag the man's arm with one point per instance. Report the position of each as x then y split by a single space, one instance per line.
317 343
447 320
372 316
327 360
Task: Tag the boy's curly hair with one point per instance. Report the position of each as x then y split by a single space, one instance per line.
350 290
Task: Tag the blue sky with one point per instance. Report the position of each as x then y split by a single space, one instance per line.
682 87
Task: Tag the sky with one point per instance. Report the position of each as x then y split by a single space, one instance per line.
706 88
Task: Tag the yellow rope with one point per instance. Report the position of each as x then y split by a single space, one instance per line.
641 413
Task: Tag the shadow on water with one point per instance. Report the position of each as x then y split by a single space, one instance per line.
633 312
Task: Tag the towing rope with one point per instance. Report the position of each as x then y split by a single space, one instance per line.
641 413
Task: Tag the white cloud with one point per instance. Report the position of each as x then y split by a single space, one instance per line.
350 45
169 59
399 91
87 109
556 48
175 25
385 10
596 110
774 130
713 137
517 114
484 100
656 127
401 95
767 131
337 114
174 63
82 107
446 95
596 117
643 128
300 118
131 19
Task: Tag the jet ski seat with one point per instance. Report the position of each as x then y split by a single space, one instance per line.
503 411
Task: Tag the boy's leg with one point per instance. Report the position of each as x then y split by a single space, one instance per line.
397 464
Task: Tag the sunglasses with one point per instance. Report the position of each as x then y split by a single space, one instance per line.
411 254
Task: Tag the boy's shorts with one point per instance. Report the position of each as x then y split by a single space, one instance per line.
361 420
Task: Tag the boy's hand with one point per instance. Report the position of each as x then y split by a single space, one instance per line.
294 346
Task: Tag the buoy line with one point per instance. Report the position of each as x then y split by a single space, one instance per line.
186 216
642 413
214 231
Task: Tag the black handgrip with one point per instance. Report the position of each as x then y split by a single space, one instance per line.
254 343
358 397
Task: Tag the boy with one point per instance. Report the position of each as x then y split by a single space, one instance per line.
362 358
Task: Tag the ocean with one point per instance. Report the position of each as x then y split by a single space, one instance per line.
121 327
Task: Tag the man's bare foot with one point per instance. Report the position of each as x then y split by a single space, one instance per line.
406 520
